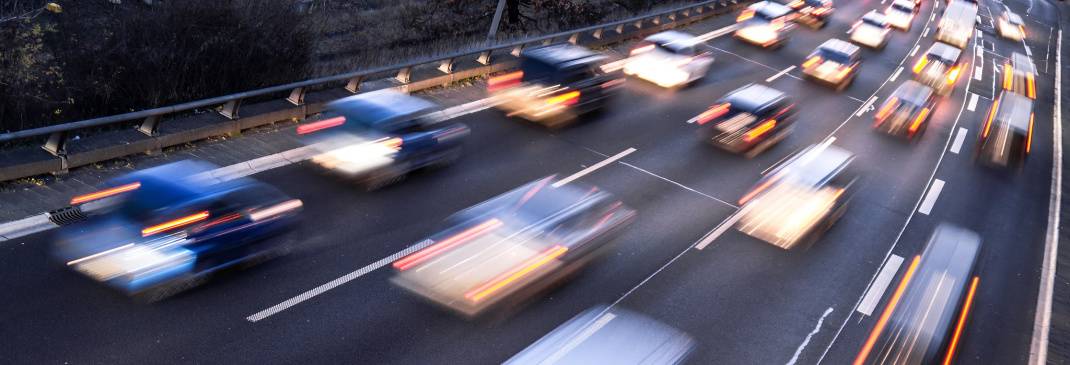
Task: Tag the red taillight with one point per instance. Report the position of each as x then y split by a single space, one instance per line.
811 61
321 125
642 49
991 116
569 98
515 274
504 81
963 315
753 193
169 225
422 255
887 314
759 131
105 193
746 14
713 113
887 109
952 75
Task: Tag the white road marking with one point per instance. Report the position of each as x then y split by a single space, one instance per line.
961 137
685 187
978 71
1028 52
925 33
817 328
915 51
591 168
867 106
930 197
719 230
1038 353
753 61
896 74
781 73
335 283
973 102
876 291
979 34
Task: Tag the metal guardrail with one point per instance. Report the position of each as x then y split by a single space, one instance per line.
149 120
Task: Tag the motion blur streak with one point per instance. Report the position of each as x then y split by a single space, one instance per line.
321 125
275 210
418 257
99 254
193 218
501 281
962 321
883 321
917 121
991 115
105 193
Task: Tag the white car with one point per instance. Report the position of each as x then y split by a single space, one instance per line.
670 59
900 14
872 31
765 24
1011 26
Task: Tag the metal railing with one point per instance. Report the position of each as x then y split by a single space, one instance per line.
149 121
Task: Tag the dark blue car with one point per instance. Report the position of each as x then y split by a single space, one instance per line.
379 137
155 231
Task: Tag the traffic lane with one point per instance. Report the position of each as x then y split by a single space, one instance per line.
385 324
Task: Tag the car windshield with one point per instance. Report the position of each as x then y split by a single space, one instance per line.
874 20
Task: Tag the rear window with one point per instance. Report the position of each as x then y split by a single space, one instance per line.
834 56
536 70
902 7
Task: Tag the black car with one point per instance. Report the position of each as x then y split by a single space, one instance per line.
815 13
748 120
379 137
555 84
1007 134
906 112
924 320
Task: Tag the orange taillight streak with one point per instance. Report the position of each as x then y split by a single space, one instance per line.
504 81
1029 137
887 314
811 61
642 49
917 121
503 280
750 195
887 108
759 131
962 321
105 193
1031 86
921 64
422 255
169 225
392 143
568 98
952 75
991 116
746 14
843 73
321 125
713 113
1008 75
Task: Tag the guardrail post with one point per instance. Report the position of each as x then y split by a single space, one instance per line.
547 41
516 50
446 66
575 37
686 13
297 96
597 33
699 9
56 144
638 24
150 126
353 85
656 20
230 109
619 28
404 75
484 58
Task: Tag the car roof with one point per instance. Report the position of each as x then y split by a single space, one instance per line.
818 164
944 52
874 17
841 47
753 97
171 184
913 92
1015 110
1014 18
1023 63
380 107
770 9
905 3
563 55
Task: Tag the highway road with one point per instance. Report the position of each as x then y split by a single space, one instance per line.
744 301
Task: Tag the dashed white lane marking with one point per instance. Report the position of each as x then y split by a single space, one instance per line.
915 51
973 102
1028 52
876 291
930 197
979 34
781 73
592 168
978 72
961 137
866 107
335 283
925 33
896 74
719 230
817 328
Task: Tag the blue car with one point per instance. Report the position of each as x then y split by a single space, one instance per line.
379 137
156 231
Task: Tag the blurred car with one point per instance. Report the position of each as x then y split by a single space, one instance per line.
377 138
1019 75
906 112
872 31
801 198
1007 135
669 59
925 318
939 67
1011 26
158 229
834 62
957 25
748 120
900 14
555 84
815 13
506 250
603 335
765 24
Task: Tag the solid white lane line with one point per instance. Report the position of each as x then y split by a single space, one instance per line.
915 51
930 198
640 169
896 74
335 283
591 168
781 73
961 137
753 61
719 230
978 72
806 341
1038 353
1028 52
867 106
876 291
973 102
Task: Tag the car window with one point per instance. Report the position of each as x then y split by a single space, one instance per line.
902 8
